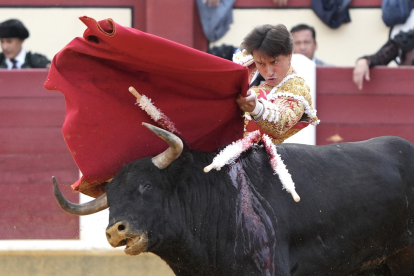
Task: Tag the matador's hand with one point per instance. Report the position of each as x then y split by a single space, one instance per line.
248 103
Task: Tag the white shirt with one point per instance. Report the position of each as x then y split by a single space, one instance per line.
20 58
405 27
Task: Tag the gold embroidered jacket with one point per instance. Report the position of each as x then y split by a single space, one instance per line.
288 106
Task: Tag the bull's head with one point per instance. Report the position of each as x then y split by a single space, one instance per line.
120 232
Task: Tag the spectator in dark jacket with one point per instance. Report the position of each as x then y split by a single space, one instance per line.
12 35
399 47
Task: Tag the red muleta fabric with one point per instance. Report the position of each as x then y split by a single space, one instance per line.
103 126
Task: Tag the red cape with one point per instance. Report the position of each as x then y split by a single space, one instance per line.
102 128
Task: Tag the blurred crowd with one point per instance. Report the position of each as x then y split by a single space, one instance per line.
216 16
396 14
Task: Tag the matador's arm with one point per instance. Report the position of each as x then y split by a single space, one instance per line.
280 116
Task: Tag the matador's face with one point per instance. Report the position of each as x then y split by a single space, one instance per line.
272 69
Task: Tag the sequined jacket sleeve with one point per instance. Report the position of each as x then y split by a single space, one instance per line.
281 115
286 107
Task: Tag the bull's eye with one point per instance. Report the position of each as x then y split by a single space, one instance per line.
144 187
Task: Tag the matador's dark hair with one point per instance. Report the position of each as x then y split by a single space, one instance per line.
271 40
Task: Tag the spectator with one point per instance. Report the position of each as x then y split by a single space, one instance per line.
12 34
304 39
399 47
215 17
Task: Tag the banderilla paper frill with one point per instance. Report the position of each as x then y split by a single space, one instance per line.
156 115
233 151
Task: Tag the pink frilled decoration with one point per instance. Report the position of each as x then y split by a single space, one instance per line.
233 151
230 153
279 167
157 115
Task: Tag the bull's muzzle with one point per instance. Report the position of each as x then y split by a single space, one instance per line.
121 234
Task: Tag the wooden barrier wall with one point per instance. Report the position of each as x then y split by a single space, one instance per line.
383 107
32 149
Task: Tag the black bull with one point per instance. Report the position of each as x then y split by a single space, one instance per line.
355 216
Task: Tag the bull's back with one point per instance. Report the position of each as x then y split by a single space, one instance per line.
381 160
357 202
349 176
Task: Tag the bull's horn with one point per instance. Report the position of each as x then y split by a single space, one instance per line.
165 158
87 208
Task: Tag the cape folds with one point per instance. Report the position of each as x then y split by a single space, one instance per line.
103 125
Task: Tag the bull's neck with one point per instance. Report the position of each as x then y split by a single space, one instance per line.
228 225
205 223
